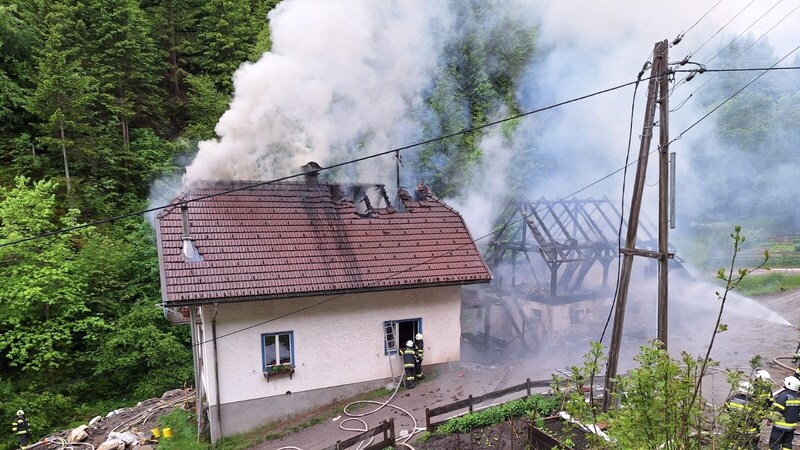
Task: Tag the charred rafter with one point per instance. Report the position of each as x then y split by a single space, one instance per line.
571 237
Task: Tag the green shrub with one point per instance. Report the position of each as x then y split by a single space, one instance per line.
539 405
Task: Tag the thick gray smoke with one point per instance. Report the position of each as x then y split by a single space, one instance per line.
346 78
342 75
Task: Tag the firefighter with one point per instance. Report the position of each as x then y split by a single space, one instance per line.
409 363
796 358
22 429
744 419
762 390
787 412
419 346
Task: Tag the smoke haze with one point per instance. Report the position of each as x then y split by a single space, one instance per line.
346 78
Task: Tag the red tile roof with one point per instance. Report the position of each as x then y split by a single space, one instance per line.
289 239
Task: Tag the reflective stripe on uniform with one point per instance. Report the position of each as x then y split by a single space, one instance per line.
785 425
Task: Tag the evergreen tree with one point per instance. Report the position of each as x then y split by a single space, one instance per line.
225 39
18 39
477 82
64 92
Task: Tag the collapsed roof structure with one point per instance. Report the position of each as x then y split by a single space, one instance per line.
551 252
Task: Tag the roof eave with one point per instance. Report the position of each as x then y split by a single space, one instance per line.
340 292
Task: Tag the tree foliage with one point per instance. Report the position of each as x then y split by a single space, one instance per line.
659 403
477 83
748 171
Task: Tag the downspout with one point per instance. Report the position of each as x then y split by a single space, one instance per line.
198 386
216 367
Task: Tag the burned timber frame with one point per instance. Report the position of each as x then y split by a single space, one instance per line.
571 236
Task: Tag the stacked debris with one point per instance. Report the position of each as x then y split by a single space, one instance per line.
124 428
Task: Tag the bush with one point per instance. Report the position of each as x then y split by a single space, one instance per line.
539 405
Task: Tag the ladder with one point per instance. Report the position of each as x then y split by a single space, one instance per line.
391 343
391 346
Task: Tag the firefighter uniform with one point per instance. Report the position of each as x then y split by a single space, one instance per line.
409 364
22 429
740 408
419 346
787 404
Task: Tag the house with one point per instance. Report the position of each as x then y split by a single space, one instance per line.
298 292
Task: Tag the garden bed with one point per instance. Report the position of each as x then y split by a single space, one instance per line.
511 434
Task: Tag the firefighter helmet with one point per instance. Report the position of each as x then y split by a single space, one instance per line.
410 343
20 413
762 374
791 383
418 336
745 388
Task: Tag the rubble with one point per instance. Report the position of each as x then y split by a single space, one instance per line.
124 428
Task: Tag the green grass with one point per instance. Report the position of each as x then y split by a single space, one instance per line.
184 428
757 284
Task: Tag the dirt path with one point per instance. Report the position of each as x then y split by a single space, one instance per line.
754 328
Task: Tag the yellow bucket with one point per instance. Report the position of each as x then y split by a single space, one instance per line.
156 432
167 433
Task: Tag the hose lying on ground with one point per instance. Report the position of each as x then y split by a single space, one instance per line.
403 441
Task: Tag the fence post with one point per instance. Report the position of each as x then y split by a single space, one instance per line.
391 431
470 403
528 386
427 420
530 434
338 445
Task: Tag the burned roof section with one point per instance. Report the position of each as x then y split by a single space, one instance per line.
294 239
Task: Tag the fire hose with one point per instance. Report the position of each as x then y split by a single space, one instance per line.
357 417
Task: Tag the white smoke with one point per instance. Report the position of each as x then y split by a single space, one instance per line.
342 77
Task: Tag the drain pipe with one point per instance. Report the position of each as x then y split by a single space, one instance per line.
216 367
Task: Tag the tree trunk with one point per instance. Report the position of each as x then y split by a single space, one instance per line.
64 153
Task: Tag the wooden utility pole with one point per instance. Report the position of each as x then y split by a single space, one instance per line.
663 197
660 68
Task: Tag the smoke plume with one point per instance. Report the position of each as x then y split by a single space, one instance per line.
342 76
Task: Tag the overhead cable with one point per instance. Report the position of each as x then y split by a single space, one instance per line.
764 72
688 77
333 166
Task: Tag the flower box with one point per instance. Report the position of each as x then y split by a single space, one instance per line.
278 370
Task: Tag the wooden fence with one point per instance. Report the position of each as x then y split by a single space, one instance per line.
471 401
388 440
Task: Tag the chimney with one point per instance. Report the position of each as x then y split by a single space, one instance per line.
188 249
311 171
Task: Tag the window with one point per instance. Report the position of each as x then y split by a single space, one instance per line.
536 314
398 332
277 348
576 315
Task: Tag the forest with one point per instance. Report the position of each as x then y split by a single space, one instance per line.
102 101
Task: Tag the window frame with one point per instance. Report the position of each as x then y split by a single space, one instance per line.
580 313
266 367
394 323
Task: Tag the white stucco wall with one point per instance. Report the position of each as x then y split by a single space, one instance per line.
338 342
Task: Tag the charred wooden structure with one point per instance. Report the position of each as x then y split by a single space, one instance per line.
550 260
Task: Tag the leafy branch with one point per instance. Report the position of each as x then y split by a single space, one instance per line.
732 277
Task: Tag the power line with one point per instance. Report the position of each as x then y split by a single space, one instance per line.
333 166
701 18
685 79
722 28
680 105
743 32
764 72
